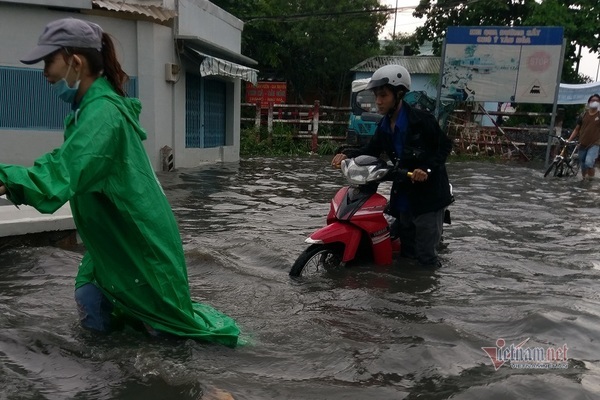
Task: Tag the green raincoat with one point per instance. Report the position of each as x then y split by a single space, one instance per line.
134 250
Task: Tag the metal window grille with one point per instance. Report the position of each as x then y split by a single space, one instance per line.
205 112
214 113
28 102
193 111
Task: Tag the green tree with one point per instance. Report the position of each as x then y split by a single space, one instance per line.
311 44
580 22
579 19
400 44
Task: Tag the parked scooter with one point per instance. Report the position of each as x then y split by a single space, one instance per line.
356 223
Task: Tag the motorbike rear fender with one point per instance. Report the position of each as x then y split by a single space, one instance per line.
337 232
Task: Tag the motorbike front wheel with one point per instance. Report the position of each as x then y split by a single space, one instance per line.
316 259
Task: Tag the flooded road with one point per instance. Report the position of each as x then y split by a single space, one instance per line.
521 263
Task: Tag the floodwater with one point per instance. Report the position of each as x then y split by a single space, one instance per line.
521 264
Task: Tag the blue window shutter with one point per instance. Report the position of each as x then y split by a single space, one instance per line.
27 101
193 111
215 93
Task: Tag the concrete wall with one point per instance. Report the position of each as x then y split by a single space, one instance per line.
203 19
143 49
154 44
26 23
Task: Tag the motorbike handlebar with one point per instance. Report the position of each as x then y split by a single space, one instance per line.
402 173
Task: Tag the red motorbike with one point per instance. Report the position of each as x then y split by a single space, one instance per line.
356 223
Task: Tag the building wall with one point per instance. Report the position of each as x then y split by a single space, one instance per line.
26 23
144 48
155 48
203 19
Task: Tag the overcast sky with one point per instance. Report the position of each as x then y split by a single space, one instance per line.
406 23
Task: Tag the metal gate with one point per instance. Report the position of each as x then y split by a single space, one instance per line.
205 112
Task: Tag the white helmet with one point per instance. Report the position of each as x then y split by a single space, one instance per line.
394 75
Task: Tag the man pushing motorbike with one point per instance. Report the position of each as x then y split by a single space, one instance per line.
413 140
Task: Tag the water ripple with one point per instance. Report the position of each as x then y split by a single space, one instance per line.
521 264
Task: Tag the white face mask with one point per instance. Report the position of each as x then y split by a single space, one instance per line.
594 105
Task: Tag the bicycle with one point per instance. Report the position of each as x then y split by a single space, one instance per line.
565 163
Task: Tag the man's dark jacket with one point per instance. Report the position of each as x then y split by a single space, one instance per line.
426 146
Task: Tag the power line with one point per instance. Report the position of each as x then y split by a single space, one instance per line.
387 10
327 14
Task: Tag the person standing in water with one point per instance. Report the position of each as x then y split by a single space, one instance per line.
588 129
134 266
412 140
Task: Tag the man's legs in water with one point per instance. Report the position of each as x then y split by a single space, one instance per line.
428 232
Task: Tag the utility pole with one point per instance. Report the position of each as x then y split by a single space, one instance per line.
395 16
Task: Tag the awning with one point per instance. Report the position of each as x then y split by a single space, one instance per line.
207 47
150 11
210 65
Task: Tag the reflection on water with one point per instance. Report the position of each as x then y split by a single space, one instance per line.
521 263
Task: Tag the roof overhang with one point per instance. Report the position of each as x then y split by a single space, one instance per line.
202 45
139 11
211 66
66 4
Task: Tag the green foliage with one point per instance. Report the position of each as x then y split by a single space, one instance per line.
579 18
327 148
311 44
400 44
256 142
444 13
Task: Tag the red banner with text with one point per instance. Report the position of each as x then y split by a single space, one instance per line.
266 92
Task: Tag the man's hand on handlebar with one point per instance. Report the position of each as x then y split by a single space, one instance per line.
337 160
418 175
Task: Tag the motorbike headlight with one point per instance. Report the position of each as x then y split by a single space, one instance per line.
361 174
376 175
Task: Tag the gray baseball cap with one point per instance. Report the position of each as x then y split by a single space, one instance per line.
67 32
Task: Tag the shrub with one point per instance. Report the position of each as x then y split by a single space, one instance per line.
256 142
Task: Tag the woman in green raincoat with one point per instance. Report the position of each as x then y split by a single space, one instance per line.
134 265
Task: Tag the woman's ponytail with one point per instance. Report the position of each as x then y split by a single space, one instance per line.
112 68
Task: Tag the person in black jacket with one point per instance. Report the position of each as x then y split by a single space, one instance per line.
413 140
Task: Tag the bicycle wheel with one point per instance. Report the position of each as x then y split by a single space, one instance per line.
573 167
550 168
559 171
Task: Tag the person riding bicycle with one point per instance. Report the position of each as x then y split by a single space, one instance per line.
413 140
588 129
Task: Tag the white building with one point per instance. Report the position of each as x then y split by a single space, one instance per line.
183 58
